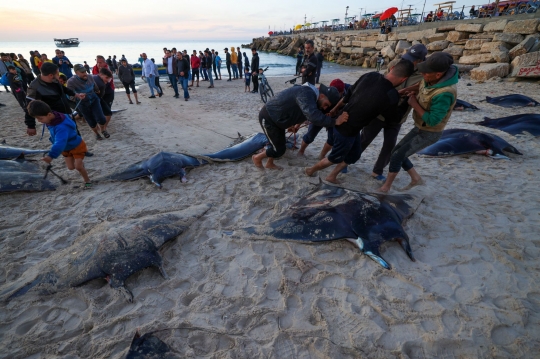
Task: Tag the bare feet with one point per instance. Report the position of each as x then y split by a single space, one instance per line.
300 153
257 162
333 180
414 183
273 166
309 172
383 189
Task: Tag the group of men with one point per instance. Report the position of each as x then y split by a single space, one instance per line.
354 116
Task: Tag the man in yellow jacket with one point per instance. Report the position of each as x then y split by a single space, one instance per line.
432 107
234 60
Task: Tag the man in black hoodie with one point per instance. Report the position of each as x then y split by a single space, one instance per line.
255 68
290 107
228 62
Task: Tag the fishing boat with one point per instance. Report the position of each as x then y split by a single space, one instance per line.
137 70
73 42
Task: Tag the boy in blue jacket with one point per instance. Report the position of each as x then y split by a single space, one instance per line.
64 137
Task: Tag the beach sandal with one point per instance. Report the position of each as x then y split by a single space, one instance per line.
98 137
131 102
380 178
106 134
88 185
138 102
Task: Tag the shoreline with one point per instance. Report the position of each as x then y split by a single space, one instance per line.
472 291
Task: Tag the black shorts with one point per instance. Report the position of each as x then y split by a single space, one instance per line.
128 85
194 72
346 149
106 104
275 135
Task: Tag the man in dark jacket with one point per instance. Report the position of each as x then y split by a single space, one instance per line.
228 62
290 107
309 66
239 61
169 62
373 94
47 89
182 69
320 60
255 69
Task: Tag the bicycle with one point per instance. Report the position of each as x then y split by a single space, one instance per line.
264 88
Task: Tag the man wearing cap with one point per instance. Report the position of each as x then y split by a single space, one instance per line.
432 108
391 126
371 95
290 107
89 106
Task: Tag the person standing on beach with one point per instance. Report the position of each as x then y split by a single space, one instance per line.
89 106
37 60
169 62
320 60
217 62
209 63
140 60
148 71
234 62
47 89
195 64
214 66
239 61
33 64
255 69
87 67
204 74
371 95
101 64
292 106
246 60
182 69
391 127
26 67
110 63
299 60
15 82
127 77
63 63
106 93
115 65
156 76
432 107
7 61
309 66
228 62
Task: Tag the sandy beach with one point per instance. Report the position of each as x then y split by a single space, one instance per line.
470 294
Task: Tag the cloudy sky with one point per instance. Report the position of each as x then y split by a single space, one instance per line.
144 20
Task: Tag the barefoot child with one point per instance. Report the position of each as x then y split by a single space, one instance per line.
64 137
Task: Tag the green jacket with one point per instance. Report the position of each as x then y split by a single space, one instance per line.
441 104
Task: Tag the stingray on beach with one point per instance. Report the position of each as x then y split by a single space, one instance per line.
459 141
511 101
515 124
20 175
111 251
330 213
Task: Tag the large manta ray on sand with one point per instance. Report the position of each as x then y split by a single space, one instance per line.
112 251
514 125
511 101
21 175
331 213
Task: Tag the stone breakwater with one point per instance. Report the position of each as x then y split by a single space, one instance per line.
501 47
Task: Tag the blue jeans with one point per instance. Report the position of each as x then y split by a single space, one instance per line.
235 71
152 84
174 83
218 68
184 82
92 112
204 74
211 78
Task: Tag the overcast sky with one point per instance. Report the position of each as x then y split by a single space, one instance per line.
144 20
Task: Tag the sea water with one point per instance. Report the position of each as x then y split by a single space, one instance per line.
278 65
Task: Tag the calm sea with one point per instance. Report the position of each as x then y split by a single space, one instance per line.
279 65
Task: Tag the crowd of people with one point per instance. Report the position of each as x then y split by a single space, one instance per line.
54 91
354 115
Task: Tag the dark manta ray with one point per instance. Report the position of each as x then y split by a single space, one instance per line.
329 213
460 141
510 101
9 153
112 250
464 105
514 124
166 164
149 346
20 175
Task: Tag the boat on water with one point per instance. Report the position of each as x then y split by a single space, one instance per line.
73 42
137 70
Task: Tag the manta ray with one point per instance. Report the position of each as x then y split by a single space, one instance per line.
10 153
459 141
514 124
464 105
112 251
511 101
332 213
167 164
20 175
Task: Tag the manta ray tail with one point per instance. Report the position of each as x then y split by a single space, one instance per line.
404 242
